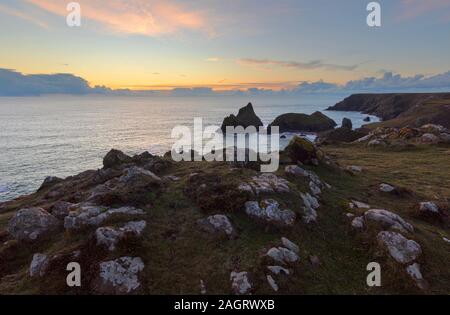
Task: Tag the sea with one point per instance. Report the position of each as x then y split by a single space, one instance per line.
65 135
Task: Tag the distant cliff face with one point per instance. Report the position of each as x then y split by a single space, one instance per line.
402 109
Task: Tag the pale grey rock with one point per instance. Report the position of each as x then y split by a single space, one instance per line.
309 201
355 168
388 220
309 215
296 170
272 283
428 207
415 274
109 237
240 283
429 138
244 187
270 212
315 190
364 139
386 188
32 224
277 270
269 183
349 215
446 240
358 223
283 255
290 245
434 128
401 249
359 205
376 143
39 265
202 287
120 276
86 215
218 224
134 173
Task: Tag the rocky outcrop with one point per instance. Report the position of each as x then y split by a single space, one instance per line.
109 237
388 220
269 211
265 184
32 224
401 249
49 182
337 135
245 118
302 150
347 123
240 283
219 225
115 158
302 122
39 265
283 255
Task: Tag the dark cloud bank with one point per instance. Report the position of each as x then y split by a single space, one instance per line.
13 83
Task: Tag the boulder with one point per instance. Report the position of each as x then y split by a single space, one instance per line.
301 150
109 237
428 207
358 223
115 158
386 188
218 224
32 224
84 216
240 283
119 276
266 183
309 209
315 190
388 220
283 255
39 265
296 171
358 205
401 249
433 128
429 138
269 211
301 122
414 272
272 283
347 123
290 245
245 118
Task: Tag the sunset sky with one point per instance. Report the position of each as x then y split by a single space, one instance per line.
224 44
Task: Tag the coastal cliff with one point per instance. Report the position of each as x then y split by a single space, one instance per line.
401 109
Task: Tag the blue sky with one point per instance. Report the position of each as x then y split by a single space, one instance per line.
236 44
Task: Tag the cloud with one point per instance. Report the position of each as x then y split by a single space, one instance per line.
213 59
22 15
415 8
143 17
314 64
13 83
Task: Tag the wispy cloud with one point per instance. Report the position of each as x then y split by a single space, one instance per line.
310 65
143 17
415 8
22 15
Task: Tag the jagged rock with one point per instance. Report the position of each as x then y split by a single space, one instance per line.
293 122
283 255
120 276
218 224
290 245
415 274
137 176
60 210
309 210
272 283
276 270
49 182
401 249
386 188
244 187
109 237
309 201
39 265
269 211
86 215
367 119
347 123
358 223
388 220
296 170
240 283
115 158
32 224
245 118
429 138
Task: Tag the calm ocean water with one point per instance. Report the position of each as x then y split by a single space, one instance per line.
65 135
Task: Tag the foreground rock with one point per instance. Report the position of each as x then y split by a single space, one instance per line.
269 211
90 216
388 220
309 210
283 255
303 151
416 275
245 118
109 237
219 225
39 265
240 283
120 276
265 184
302 122
32 224
401 249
